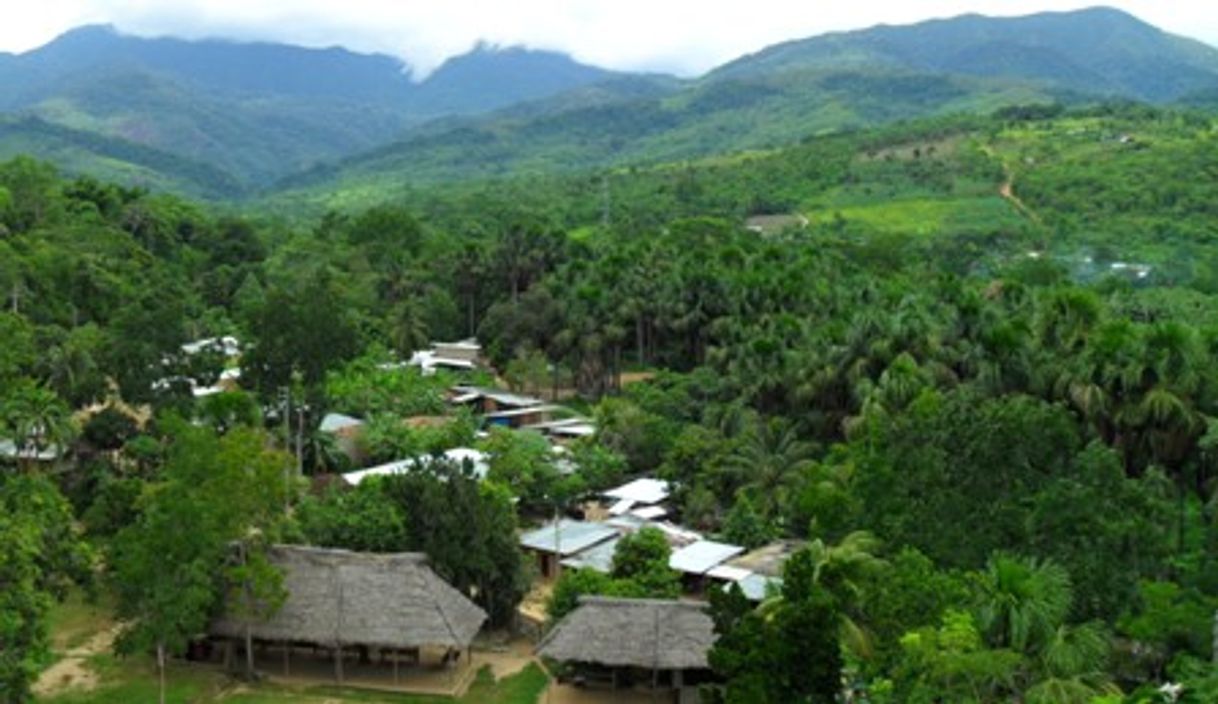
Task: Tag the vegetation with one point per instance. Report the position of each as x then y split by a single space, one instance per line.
992 429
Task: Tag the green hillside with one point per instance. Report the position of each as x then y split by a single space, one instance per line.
262 111
1098 50
788 92
330 128
84 152
708 118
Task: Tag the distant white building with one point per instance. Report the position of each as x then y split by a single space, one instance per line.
457 356
475 459
228 345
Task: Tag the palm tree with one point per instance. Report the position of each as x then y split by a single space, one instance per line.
408 329
769 462
35 419
842 570
1024 600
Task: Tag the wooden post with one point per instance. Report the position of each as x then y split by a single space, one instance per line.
397 655
228 655
338 662
287 654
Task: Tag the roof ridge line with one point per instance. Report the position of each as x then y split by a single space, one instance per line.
438 605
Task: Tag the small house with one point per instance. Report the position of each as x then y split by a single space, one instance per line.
557 541
351 606
651 644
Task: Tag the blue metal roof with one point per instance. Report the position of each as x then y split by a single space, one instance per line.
569 538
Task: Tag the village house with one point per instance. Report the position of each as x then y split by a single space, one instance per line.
650 644
356 618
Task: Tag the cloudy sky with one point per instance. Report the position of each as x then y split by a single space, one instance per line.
681 36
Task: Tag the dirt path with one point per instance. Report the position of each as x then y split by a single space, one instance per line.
72 671
1007 191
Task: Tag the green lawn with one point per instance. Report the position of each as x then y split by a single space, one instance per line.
925 216
121 681
134 680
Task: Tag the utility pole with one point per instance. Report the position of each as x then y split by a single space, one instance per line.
285 403
300 418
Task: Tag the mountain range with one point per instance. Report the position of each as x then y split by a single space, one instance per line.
224 119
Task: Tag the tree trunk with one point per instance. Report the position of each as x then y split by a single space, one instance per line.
639 341
249 604
1214 655
160 666
249 653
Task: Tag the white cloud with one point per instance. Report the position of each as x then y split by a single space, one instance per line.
684 36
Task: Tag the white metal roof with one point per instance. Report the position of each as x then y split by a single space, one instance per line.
599 557
622 507
459 455
650 513
642 491
334 422
728 573
702 556
578 430
9 450
506 398
228 344
756 585
517 412
471 345
570 536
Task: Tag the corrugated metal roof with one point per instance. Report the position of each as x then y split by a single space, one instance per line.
728 573
599 557
505 398
650 513
700 557
570 537
642 491
459 455
755 586
9 450
516 412
334 422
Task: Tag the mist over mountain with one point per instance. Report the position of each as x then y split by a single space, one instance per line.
260 110
265 113
787 92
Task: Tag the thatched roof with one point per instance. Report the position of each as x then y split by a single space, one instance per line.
337 596
646 633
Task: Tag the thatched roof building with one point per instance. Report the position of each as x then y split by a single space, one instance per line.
340 597
643 633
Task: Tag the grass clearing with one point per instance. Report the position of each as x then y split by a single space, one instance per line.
924 216
125 680
76 620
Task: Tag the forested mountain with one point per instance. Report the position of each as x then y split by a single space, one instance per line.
260 111
358 127
115 159
787 92
1099 50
